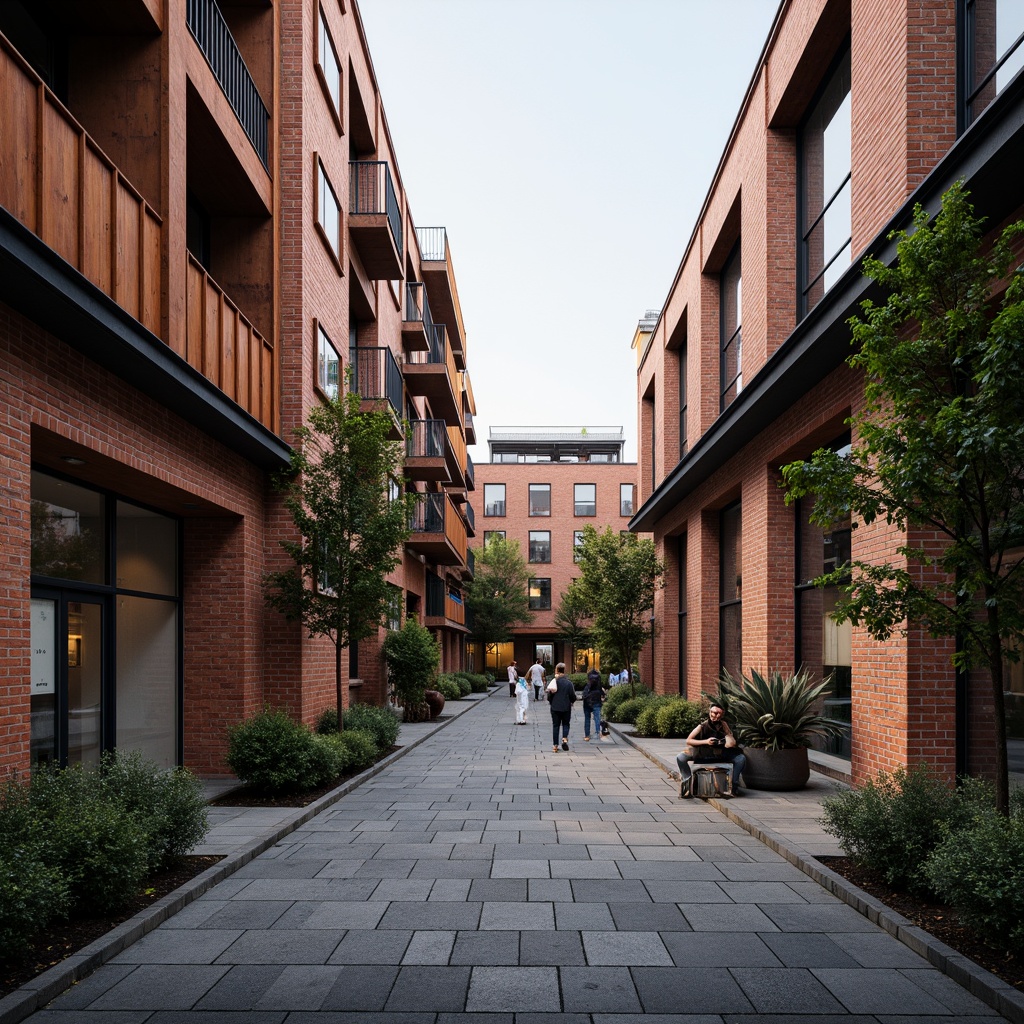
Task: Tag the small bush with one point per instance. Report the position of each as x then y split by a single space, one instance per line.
892 823
273 752
326 722
646 719
448 687
382 723
618 695
678 718
361 748
412 655
628 710
479 683
332 756
465 686
578 680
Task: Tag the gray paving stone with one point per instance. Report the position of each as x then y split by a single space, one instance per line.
450 890
243 914
384 869
429 948
92 987
599 990
225 1016
431 916
560 948
761 893
360 988
299 988
718 854
670 870
455 868
698 990
491 948
92 1016
876 990
876 949
241 988
513 989
175 946
815 918
403 889
281 946
601 890
720 949
618 948
264 868
791 990
160 987
502 916
642 917
339 916
595 917
729 918
594 870
430 988
365 946
805 950
953 996
669 891
504 889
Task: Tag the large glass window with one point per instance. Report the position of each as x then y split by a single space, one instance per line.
730 589
328 364
540 595
826 225
991 52
585 499
69 539
731 328
540 545
494 499
540 499
328 210
330 66
625 499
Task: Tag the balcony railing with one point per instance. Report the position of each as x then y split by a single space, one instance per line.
417 308
425 439
436 593
371 190
471 562
433 244
211 32
376 376
470 515
436 515
470 473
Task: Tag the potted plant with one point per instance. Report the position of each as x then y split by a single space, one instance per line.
775 721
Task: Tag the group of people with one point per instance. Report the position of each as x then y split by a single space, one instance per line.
711 742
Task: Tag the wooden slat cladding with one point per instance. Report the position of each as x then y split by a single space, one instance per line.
222 344
64 189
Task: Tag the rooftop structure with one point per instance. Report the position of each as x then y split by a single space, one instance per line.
556 444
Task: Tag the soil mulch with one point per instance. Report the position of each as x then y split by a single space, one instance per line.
938 920
63 938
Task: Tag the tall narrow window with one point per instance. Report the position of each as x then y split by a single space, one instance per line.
540 545
625 499
540 499
494 499
328 210
330 66
682 614
991 53
328 364
683 370
540 595
577 543
730 589
731 328
585 499
824 147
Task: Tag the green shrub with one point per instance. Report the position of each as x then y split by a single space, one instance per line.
646 720
382 723
448 687
480 683
617 696
412 655
273 752
978 869
578 680
332 756
892 823
326 722
628 710
361 748
465 686
668 717
98 848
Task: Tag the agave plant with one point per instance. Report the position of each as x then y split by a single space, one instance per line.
775 713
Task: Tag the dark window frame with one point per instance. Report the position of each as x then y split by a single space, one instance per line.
730 297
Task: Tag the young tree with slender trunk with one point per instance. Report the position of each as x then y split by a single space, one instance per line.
938 448
572 620
497 596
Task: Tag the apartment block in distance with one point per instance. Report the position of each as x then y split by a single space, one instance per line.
856 110
542 486
203 233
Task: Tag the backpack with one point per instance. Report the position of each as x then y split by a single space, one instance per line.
711 781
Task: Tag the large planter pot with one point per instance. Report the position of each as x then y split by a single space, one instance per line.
776 769
435 700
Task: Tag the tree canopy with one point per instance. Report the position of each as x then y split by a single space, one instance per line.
497 596
937 448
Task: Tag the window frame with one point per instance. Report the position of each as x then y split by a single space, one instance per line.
967 58
577 503
324 386
323 182
540 606
730 597
530 541
489 536
530 507
631 499
494 504
334 102
577 543
725 303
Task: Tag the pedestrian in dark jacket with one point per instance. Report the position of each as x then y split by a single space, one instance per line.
561 696
593 698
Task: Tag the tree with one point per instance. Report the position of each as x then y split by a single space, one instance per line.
617 581
937 449
351 526
572 619
498 597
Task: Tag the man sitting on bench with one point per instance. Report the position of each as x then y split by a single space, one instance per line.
712 742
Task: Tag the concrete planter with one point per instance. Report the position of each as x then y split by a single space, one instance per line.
776 769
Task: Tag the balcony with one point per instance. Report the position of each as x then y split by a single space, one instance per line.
470 517
456 455
375 222
377 380
439 275
468 570
432 374
60 185
226 349
470 473
417 323
443 607
425 451
211 33
470 429
438 531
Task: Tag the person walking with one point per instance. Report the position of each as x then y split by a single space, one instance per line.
562 696
538 677
522 699
593 698
513 677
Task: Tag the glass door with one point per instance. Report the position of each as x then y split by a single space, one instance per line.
85 666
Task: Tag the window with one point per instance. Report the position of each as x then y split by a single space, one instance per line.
730 329
824 169
577 543
494 499
585 499
682 614
625 499
540 499
394 607
328 364
540 545
394 490
991 53
730 589
490 535
540 595
330 66
328 210
683 370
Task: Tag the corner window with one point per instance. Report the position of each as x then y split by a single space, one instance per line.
328 364
494 499
329 65
540 499
540 595
625 499
328 210
991 53
540 545
585 499
731 329
824 169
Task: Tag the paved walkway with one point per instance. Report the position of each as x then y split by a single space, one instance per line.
480 873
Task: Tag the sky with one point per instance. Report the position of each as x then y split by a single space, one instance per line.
567 147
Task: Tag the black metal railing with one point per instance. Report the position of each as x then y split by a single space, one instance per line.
470 473
435 595
437 351
425 439
371 190
471 563
211 32
428 515
376 375
433 243
470 516
417 308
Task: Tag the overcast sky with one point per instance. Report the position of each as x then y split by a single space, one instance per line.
567 147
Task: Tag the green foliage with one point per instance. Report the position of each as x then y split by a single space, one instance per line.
647 719
572 618
892 823
671 717
448 687
274 753
326 722
630 709
617 696
497 597
412 656
937 448
776 713
578 680
478 682
361 748
381 723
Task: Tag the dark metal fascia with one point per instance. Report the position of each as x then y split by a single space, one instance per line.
39 284
989 157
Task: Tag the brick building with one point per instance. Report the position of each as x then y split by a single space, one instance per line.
856 110
542 486
203 227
